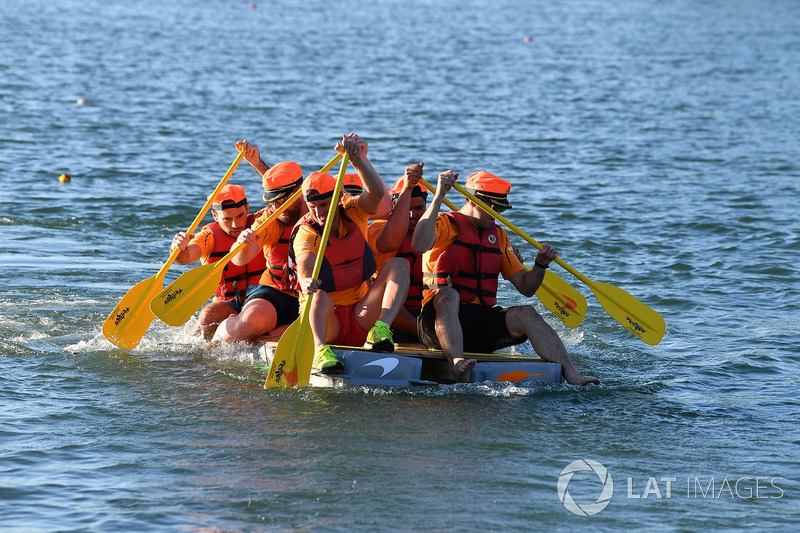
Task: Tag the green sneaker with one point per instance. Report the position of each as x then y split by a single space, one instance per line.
325 361
379 338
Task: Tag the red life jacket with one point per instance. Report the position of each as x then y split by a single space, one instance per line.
348 262
278 273
414 299
235 279
470 264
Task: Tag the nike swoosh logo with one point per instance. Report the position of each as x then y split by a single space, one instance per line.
388 364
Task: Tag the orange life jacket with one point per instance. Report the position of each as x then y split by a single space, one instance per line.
470 264
348 262
235 279
414 299
278 273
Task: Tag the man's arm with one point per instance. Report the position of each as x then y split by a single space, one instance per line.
189 253
249 251
375 190
424 234
528 282
396 226
253 156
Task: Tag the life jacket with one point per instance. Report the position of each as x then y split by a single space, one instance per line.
235 279
348 262
278 273
414 299
470 264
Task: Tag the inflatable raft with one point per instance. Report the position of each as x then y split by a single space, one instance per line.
415 365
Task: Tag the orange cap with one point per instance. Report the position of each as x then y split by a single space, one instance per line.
352 184
318 186
489 188
416 192
281 180
229 197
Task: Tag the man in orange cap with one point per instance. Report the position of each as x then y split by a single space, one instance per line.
347 309
230 210
391 237
274 304
464 253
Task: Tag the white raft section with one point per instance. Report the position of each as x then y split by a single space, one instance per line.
417 366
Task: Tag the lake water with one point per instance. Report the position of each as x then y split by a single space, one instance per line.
655 144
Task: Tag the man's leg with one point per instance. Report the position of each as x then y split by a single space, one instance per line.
212 315
324 324
325 328
257 317
386 296
405 322
448 330
524 320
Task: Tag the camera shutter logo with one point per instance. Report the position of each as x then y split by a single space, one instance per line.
589 509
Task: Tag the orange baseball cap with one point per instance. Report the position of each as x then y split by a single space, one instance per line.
489 188
229 197
318 186
352 184
416 192
281 180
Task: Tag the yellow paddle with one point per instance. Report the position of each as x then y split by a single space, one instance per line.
128 322
637 317
294 355
175 304
561 298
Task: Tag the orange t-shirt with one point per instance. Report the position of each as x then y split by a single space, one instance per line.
446 232
307 241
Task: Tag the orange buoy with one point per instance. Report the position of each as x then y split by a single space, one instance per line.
64 178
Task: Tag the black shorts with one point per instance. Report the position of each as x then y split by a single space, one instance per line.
286 306
484 328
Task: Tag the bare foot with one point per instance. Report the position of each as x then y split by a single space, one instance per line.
462 367
580 379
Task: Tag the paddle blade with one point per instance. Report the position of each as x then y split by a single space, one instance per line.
637 317
128 322
179 301
297 339
562 299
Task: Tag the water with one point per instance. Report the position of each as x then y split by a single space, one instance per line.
655 144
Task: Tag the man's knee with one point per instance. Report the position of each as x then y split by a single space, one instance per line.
397 269
523 314
214 313
446 298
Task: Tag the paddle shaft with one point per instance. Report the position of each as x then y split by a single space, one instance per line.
202 213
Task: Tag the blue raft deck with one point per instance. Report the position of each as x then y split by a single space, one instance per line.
415 365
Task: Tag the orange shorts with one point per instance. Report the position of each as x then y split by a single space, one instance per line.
350 333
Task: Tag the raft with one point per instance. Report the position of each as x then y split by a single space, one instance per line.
415 365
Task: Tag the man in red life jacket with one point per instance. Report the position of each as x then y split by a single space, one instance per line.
230 210
464 252
275 303
392 238
347 309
